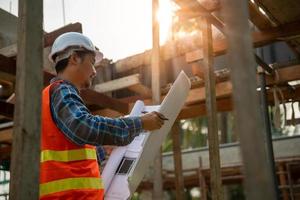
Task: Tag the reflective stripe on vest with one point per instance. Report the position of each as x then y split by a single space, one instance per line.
68 155
70 184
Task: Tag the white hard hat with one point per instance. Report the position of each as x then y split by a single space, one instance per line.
72 41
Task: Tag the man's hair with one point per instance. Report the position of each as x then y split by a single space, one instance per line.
62 64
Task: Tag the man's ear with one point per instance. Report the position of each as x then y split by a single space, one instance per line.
74 59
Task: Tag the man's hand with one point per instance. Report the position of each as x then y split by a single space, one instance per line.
152 121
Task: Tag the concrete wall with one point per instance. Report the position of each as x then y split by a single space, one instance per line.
8 28
285 147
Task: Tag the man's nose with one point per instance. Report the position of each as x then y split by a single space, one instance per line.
94 72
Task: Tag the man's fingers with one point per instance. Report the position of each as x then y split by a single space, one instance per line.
161 122
161 116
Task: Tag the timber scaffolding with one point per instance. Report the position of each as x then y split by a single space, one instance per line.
121 83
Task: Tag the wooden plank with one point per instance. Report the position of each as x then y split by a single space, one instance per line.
192 111
284 75
5 152
155 86
258 181
131 82
210 100
25 162
283 181
141 89
96 98
179 183
6 135
118 84
223 89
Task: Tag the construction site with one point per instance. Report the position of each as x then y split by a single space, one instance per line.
237 136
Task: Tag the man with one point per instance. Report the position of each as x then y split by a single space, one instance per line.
69 168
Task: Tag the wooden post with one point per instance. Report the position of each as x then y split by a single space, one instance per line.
179 180
267 129
155 82
202 183
248 120
283 182
24 182
210 94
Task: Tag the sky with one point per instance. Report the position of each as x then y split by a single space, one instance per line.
118 28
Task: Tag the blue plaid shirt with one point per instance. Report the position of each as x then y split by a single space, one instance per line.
75 121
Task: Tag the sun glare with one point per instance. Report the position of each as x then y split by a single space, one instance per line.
164 15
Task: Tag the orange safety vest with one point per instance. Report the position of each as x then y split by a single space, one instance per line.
67 171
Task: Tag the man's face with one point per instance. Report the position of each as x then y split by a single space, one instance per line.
86 70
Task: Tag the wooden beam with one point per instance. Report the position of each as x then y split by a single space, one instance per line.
155 86
25 162
96 98
202 183
269 150
260 20
118 84
141 89
223 89
89 95
179 184
6 135
192 111
210 100
284 75
262 64
259 39
197 10
131 82
280 76
188 111
258 181
196 5
179 48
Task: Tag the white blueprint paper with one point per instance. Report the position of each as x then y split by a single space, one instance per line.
142 151
118 153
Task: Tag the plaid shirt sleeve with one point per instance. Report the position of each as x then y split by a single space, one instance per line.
81 127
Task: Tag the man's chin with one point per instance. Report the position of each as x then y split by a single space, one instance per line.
87 85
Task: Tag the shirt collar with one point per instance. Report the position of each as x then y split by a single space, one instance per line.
55 79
